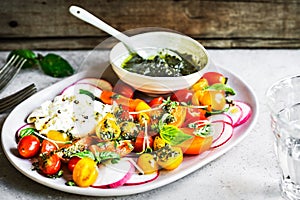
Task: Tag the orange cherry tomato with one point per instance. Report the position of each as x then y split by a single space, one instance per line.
214 99
200 85
108 97
85 172
29 146
196 144
47 146
49 164
196 97
179 114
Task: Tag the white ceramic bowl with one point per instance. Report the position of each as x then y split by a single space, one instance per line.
152 43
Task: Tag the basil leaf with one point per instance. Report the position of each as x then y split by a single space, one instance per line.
88 93
26 131
107 155
221 86
85 153
173 135
55 66
25 53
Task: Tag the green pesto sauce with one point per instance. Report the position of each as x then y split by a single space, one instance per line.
161 65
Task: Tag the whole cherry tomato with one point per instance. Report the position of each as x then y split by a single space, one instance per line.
72 162
47 146
49 164
214 77
29 146
123 89
156 102
184 95
85 172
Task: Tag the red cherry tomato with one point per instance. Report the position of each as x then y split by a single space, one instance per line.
48 146
193 115
49 164
72 162
123 89
138 145
156 101
29 146
214 77
183 95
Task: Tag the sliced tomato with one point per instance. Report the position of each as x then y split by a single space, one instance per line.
169 158
29 146
179 115
194 114
156 101
124 89
195 145
214 99
139 142
49 164
184 95
201 84
48 146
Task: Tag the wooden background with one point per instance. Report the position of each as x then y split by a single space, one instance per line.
47 24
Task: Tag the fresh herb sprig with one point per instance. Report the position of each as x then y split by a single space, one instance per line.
51 64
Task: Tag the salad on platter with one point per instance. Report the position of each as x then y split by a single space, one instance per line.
93 134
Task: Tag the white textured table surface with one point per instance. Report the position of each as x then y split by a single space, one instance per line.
247 171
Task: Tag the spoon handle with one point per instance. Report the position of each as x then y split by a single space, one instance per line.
93 20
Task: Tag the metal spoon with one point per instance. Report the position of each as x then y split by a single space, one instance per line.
93 20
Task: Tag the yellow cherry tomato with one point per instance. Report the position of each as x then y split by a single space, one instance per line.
200 85
214 99
143 118
107 128
58 136
85 172
158 143
196 97
147 163
169 158
142 105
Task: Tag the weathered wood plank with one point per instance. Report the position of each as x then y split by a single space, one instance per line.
47 24
93 42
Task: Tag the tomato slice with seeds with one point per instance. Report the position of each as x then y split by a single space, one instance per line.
49 164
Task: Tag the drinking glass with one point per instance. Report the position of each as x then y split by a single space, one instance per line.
283 100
